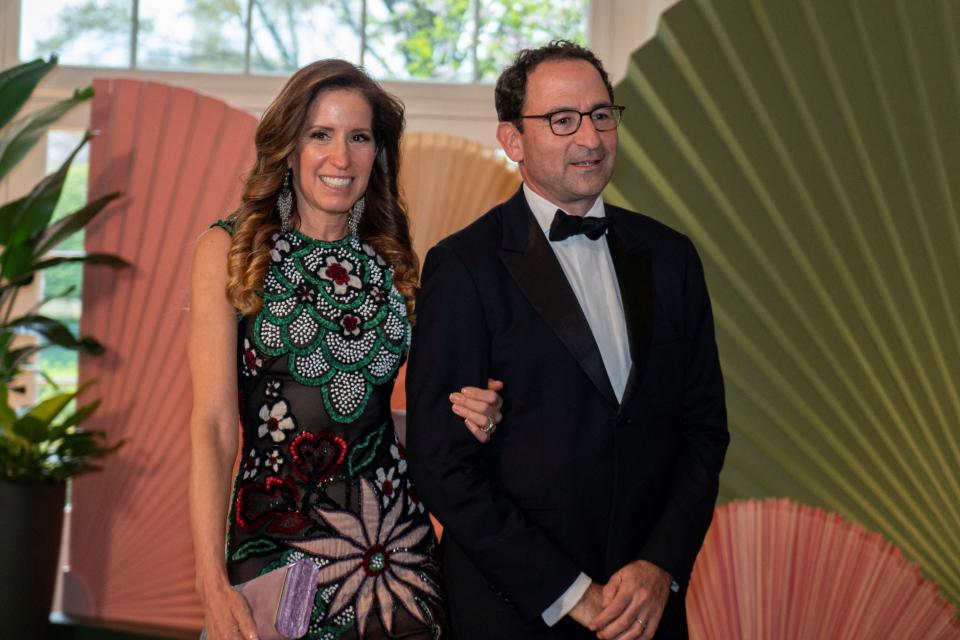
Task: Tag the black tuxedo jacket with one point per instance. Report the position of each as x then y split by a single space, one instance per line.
572 480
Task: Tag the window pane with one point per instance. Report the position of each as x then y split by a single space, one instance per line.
508 27
195 35
288 34
58 363
81 32
420 40
60 143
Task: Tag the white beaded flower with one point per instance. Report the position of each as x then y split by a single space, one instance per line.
280 247
276 420
274 460
339 272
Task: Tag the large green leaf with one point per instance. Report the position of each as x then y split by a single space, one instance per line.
7 415
81 414
17 83
56 332
104 259
70 224
48 410
31 429
22 218
14 359
17 261
23 134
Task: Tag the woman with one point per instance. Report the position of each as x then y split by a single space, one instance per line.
319 276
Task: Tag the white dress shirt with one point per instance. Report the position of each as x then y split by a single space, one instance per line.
589 269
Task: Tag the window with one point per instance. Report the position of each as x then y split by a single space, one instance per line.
63 283
443 40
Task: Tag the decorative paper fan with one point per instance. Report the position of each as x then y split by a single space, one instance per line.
811 149
776 570
449 182
177 157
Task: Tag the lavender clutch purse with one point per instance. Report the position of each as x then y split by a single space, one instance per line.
282 600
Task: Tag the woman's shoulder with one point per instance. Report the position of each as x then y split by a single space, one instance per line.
213 245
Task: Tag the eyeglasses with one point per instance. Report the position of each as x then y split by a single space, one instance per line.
566 122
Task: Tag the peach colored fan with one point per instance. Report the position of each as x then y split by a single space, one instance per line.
447 183
775 569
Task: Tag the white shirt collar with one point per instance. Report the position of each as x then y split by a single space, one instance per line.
544 210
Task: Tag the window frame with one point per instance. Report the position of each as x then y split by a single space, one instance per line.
470 102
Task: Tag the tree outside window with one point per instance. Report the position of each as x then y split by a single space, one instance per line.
441 40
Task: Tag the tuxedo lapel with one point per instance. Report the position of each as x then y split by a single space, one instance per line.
631 261
530 260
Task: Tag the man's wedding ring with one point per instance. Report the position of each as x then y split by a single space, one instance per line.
642 622
491 425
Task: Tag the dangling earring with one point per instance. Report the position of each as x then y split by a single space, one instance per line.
356 212
285 203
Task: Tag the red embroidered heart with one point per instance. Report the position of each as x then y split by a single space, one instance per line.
317 456
274 503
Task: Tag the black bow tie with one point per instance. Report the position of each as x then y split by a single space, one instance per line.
564 226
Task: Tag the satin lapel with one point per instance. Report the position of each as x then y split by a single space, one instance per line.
539 275
632 263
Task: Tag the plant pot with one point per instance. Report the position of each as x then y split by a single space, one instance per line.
30 532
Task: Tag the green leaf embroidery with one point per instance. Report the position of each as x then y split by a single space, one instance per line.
365 451
255 547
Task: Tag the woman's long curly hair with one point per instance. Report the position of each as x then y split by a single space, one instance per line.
384 224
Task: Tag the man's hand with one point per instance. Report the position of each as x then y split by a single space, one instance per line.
633 601
589 606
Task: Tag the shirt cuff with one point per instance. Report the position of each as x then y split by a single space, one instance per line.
567 601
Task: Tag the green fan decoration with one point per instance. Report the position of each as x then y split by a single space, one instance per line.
811 149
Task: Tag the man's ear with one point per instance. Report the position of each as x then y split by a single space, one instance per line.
509 138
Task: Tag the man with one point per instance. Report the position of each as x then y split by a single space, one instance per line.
584 513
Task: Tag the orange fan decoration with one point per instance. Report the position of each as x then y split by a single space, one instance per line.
448 182
775 569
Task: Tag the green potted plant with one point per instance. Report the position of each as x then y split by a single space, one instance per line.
43 444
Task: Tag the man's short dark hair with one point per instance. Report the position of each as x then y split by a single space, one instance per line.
511 89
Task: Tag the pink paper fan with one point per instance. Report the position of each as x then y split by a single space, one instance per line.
774 569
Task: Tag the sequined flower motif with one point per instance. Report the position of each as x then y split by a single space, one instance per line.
272 388
370 251
251 465
251 359
279 247
306 293
372 556
274 460
276 420
413 499
378 295
398 453
387 484
339 272
350 324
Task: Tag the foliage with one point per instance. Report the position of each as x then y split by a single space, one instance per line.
92 20
36 444
41 446
419 39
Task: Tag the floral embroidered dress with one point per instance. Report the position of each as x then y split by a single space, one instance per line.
322 474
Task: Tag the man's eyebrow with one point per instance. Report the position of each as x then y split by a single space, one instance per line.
596 105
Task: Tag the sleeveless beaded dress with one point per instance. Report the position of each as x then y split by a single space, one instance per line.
322 473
